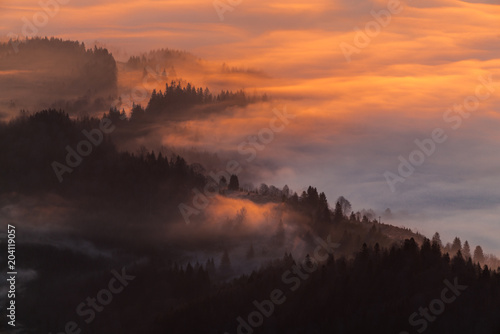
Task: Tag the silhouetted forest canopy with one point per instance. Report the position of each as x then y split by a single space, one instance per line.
178 102
167 57
32 142
58 73
376 291
93 69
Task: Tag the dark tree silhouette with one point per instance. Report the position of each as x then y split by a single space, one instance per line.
436 238
234 184
345 205
466 250
338 214
222 182
456 246
478 255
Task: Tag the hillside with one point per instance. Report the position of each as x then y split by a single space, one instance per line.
120 209
43 73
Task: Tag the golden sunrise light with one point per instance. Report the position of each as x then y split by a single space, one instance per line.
237 166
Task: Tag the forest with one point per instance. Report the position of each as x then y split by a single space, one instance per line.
369 282
92 213
58 74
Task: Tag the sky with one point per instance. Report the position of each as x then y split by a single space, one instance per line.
364 80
